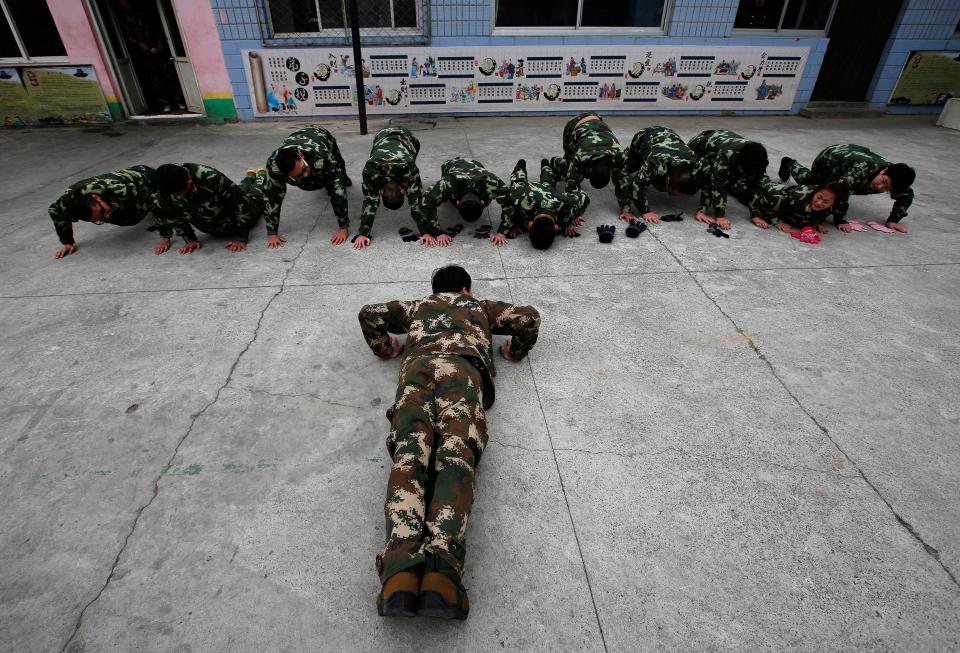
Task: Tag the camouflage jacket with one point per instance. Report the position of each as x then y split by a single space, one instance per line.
392 158
593 141
776 202
451 324
131 192
212 206
529 199
651 155
716 167
857 166
321 153
458 177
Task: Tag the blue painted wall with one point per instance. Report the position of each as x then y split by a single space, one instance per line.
923 24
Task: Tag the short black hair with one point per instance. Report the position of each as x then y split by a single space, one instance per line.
681 178
901 176
542 232
287 158
470 207
599 174
451 278
172 178
752 158
81 207
392 195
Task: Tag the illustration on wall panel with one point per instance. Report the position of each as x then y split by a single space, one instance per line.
308 81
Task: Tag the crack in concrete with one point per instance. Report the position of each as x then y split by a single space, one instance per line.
516 446
720 459
930 550
176 450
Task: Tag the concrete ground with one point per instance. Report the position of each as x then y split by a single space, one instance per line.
743 444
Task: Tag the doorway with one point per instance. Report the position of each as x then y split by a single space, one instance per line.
858 34
145 44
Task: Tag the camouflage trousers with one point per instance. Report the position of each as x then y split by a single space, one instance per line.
438 432
569 146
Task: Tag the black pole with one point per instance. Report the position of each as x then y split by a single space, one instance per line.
358 64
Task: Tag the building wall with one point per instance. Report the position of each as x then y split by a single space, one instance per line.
198 29
83 49
922 25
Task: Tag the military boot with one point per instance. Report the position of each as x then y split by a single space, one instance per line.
441 593
398 597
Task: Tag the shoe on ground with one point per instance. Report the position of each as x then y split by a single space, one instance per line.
442 595
398 598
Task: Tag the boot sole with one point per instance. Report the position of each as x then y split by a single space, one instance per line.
400 604
433 605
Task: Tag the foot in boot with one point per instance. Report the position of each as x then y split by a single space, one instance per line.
347 182
785 164
442 595
398 598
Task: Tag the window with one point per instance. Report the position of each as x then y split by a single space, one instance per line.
27 31
785 15
574 14
318 16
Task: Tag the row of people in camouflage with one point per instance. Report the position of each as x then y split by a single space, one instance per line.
718 163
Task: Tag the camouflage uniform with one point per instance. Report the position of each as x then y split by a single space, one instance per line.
392 158
460 176
775 202
857 166
652 153
130 191
716 167
215 205
591 142
327 169
530 200
438 425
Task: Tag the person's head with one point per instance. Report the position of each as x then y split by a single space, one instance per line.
828 195
470 207
173 179
752 160
542 229
893 179
90 208
392 194
290 161
599 174
680 181
451 278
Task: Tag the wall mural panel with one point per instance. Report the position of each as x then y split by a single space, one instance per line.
315 81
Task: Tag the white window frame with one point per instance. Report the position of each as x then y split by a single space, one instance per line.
7 16
749 31
579 30
339 31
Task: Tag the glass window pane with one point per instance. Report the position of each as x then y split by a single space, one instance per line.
36 28
405 13
622 13
536 13
759 14
8 45
807 14
332 14
373 13
290 16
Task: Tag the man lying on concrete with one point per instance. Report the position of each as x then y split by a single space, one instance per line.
657 156
470 187
193 195
438 433
308 159
123 198
539 209
724 159
865 172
